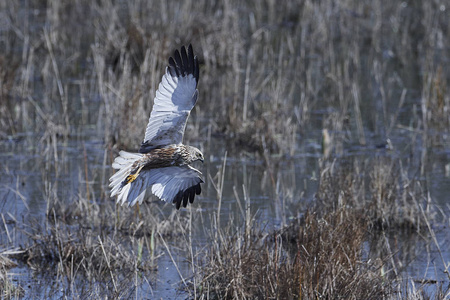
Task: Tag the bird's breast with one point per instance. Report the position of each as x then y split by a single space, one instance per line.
172 155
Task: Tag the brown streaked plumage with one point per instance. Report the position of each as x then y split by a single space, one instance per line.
163 164
171 155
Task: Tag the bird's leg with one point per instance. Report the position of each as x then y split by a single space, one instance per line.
132 177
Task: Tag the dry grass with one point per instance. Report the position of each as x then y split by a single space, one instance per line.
94 253
265 68
8 289
316 257
388 194
345 246
94 247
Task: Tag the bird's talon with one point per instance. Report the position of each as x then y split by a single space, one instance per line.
131 178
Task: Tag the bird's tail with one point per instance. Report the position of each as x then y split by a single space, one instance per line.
123 163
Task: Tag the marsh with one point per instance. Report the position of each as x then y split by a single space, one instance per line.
325 129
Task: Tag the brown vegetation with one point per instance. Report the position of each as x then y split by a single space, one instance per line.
337 249
316 257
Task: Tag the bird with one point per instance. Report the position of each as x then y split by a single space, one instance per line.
163 163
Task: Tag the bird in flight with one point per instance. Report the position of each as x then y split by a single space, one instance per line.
163 162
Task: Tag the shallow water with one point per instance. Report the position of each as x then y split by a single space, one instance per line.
26 173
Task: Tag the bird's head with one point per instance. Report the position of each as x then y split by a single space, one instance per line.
195 154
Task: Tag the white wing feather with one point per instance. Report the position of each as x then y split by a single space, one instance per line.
176 96
168 184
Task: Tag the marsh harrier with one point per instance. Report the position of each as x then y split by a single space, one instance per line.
163 162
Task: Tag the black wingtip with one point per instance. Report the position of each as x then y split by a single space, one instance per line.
185 60
184 63
179 62
187 196
173 70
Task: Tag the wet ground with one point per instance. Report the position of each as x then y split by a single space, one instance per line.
26 174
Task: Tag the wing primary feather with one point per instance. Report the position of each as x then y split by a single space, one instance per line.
191 60
177 200
184 58
173 70
193 64
179 62
192 196
198 188
187 196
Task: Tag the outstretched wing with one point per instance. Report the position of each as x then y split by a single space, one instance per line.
176 96
178 185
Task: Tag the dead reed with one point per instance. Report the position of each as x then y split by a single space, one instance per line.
8 289
95 251
345 246
316 257
381 187
265 68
